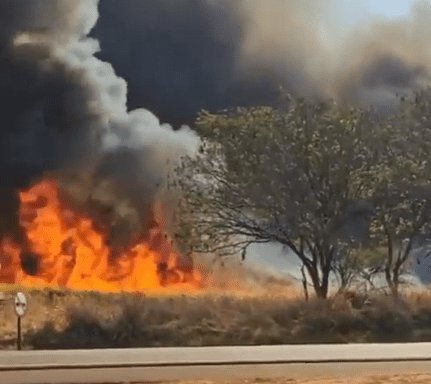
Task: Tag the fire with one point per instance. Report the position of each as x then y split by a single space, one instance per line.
65 250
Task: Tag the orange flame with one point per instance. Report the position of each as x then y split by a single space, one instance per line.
65 250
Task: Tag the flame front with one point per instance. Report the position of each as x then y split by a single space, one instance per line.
65 250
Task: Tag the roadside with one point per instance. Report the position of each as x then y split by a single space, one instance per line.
392 379
71 319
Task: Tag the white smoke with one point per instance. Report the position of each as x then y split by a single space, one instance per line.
136 129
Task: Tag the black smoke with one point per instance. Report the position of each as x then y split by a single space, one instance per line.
47 122
63 113
179 56
70 108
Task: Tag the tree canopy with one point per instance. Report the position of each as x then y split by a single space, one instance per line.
314 178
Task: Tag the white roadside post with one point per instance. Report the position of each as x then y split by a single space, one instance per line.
20 309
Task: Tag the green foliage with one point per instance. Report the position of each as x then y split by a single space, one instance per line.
308 178
402 196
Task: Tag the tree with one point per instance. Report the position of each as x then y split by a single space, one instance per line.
402 186
298 178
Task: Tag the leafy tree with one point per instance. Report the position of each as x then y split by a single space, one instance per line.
402 186
299 178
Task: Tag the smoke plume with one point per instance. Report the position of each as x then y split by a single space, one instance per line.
70 108
180 56
384 58
64 111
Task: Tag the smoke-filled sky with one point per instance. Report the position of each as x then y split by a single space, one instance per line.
346 16
86 85
180 56
356 10
63 110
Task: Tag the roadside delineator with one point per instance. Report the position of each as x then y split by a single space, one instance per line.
20 309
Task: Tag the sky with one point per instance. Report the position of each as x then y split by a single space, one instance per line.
346 14
387 8
349 12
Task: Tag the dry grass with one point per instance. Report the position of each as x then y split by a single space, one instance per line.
386 379
391 379
66 319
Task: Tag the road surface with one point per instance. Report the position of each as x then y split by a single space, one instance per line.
156 364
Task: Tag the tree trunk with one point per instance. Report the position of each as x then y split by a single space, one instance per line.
395 281
395 286
390 274
312 266
304 283
304 276
320 288
325 281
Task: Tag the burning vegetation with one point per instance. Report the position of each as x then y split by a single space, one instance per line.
66 112
65 248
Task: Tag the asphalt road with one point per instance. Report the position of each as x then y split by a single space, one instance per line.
157 364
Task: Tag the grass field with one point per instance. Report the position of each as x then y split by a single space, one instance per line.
392 379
